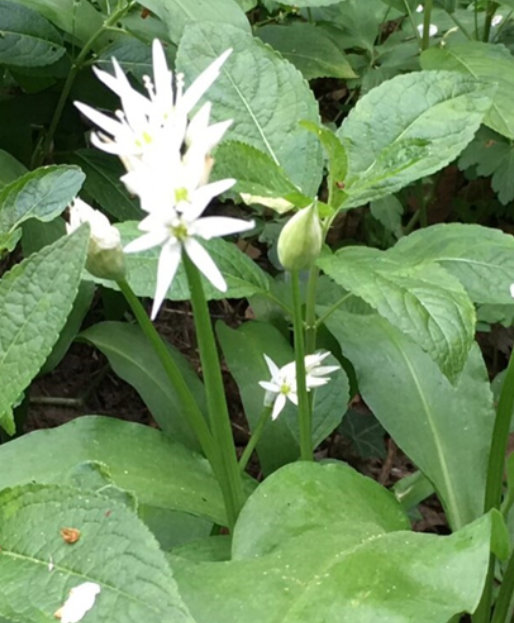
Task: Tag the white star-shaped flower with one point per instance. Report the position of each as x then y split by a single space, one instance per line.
80 600
283 386
178 231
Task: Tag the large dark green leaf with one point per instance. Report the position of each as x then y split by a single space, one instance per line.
323 543
445 429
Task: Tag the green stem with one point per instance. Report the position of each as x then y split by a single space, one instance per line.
333 308
427 14
310 311
475 12
232 485
254 439
412 21
189 405
501 610
70 79
494 484
304 410
490 10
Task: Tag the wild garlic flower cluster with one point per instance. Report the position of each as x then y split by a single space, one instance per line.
283 385
168 160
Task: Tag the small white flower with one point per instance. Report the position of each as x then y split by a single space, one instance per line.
147 124
432 30
104 234
178 231
283 386
419 8
497 19
80 600
512 290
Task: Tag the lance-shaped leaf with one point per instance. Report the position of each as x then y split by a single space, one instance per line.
36 297
409 127
323 543
264 94
482 258
445 429
423 300
28 40
162 474
114 550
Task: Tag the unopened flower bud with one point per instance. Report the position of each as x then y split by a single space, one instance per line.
105 257
300 240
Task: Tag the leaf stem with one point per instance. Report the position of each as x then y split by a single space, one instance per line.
254 439
494 484
490 10
189 404
77 64
502 607
231 482
304 408
427 14
333 308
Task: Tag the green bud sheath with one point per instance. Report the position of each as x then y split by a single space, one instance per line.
300 240
105 262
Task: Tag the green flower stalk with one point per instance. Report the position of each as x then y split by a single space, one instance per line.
300 240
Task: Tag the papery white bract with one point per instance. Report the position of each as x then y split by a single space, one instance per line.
80 600
283 385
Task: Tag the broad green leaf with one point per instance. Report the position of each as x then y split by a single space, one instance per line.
103 184
422 300
36 297
115 550
37 234
259 178
309 3
243 351
27 40
482 258
177 14
365 432
42 194
323 543
490 63
492 155
445 429
10 168
337 162
264 94
247 5
162 474
309 48
407 128
134 360
243 276
78 19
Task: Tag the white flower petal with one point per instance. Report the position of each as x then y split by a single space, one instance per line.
512 290
169 260
202 196
280 403
103 121
146 241
272 367
162 76
293 397
216 226
205 264
203 82
269 386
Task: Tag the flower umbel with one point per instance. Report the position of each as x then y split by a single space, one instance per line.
282 386
168 163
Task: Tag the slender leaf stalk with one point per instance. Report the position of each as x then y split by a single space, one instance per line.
44 152
494 484
304 407
490 10
254 439
502 608
231 482
189 404
427 14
